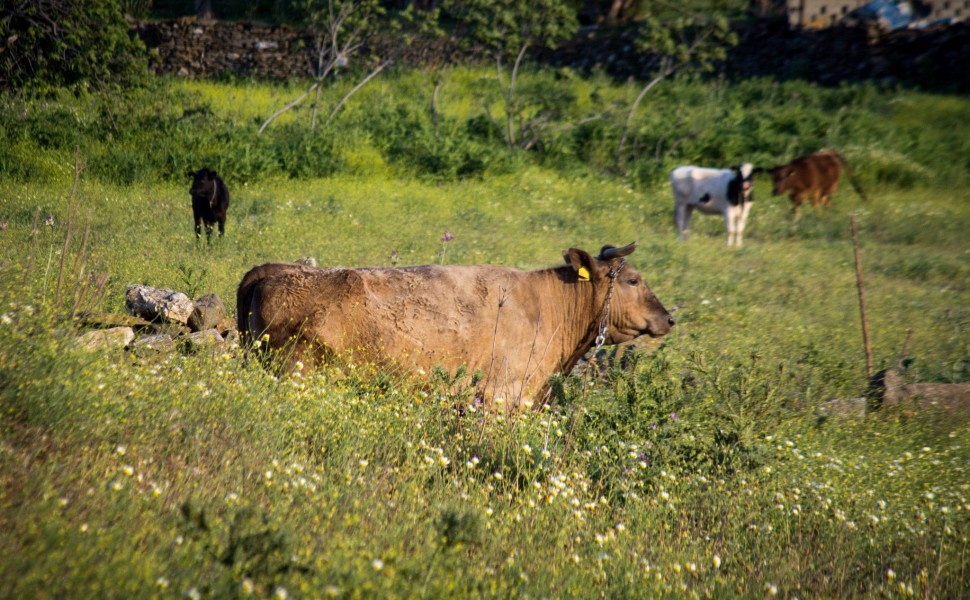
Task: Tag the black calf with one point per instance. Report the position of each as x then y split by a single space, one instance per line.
210 199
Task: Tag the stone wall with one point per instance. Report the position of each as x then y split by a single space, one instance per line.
213 48
933 57
200 49
929 58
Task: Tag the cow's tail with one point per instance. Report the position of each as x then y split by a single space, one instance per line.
852 180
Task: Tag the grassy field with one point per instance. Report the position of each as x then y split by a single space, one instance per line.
702 469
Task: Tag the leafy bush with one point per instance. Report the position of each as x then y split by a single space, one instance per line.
703 417
450 151
303 153
570 124
79 44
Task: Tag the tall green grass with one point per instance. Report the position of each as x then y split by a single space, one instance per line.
699 468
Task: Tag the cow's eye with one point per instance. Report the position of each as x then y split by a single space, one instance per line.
633 281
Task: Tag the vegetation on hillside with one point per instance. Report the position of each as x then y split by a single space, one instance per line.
157 134
81 44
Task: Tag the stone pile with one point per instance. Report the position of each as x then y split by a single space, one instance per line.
889 391
162 320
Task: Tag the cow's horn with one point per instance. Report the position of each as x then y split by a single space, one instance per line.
609 252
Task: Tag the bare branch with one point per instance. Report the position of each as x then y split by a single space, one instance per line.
362 83
510 101
500 73
279 112
666 70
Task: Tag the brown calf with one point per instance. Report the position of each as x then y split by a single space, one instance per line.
812 177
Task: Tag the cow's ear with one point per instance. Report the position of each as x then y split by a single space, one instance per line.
586 266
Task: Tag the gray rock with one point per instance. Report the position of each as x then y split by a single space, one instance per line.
106 339
207 313
153 303
888 389
848 407
150 344
109 320
232 337
173 329
225 326
201 341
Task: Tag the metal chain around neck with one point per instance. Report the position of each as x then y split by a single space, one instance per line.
605 320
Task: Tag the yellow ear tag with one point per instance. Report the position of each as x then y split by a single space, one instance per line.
583 274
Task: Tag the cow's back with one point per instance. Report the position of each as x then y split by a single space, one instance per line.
436 314
433 314
827 170
813 174
689 182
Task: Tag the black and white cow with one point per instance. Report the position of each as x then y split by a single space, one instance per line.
713 191
210 200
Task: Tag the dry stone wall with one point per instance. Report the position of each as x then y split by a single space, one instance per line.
932 57
212 48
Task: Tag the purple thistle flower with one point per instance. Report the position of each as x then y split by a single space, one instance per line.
447 237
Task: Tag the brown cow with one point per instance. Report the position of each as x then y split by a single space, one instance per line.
515 328
812 177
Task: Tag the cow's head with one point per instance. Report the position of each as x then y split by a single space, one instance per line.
204 184
633 309
740 188
779 178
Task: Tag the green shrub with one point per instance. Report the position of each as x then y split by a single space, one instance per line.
80 44
160 132
304 153
448 151
702 417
